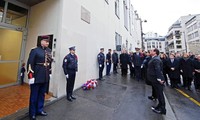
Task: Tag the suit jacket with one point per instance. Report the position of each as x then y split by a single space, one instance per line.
176 72
187 66
124 60
154 71
197 66
137 59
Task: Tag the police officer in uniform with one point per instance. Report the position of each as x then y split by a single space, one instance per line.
101 61
108 62
39 70
70 67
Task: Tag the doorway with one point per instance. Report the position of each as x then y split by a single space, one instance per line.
10 51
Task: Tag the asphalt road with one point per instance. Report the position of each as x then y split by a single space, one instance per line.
120 98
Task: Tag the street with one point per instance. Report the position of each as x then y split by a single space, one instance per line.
121 98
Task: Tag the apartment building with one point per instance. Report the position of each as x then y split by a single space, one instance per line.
176 38
153 40
193 34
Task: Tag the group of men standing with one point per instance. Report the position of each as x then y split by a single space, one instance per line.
39 72
133 61
136 61
184 66
109 59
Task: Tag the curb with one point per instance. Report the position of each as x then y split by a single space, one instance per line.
170 113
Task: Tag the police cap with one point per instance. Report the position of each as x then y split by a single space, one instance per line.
101 48
72 48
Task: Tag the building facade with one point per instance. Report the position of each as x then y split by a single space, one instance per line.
193 34
176 38
153 40
88 25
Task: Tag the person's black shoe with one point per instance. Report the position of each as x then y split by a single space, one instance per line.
151 98
100 79
189 89
153 108
32 117
159 111
43 113
73 97
69 99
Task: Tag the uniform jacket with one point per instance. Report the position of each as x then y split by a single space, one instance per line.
175 74
187 67
124 60
101 58
154 70
70 63
108 57
37 57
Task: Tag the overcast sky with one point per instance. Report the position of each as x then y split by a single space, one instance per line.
161 14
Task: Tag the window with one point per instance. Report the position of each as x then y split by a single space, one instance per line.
2 3
126 44
177 34
153 45
118 41
196 34
195 26
107 1
179 47
178 42
117 8
149 45
125 14
160 45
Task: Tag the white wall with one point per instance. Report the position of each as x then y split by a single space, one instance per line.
88 38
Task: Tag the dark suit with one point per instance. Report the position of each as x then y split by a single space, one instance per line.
187 66
39 63
174 75
124 60
137 61
115 62
197 74
154 73
145 65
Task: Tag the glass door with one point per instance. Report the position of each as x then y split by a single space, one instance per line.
10 51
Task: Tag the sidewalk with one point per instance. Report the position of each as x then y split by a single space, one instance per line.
115 98
14 99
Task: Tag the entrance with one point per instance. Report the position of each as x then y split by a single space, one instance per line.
13 32
10 49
